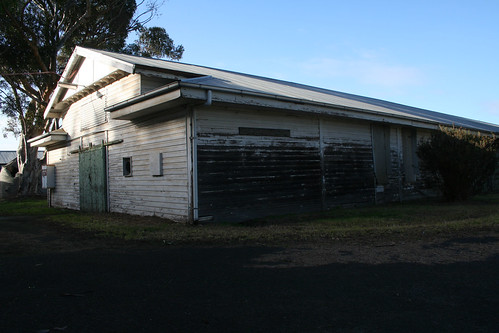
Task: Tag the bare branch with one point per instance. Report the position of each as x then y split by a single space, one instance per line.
67 34
27 89
40 6
152 10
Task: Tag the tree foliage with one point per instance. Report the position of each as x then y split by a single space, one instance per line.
154 42
38 36
459 161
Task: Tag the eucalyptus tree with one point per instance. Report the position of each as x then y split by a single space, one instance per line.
36 40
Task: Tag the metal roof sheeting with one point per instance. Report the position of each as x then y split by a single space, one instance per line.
8 155
251 83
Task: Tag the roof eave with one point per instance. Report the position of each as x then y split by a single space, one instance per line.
224 95
166 97
236 96
180 93
54 108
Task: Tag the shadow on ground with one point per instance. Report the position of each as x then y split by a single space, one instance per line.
229 290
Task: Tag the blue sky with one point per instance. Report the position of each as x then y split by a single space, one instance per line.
438 55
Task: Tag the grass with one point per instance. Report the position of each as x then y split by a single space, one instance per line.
401 220
27 207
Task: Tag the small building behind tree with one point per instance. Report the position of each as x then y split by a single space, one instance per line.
190 143
9 177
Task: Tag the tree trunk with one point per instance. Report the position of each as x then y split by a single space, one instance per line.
29 169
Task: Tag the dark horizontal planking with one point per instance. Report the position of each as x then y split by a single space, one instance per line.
251 147
300 181
349 176
245 178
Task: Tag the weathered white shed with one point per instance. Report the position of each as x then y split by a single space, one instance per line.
155 137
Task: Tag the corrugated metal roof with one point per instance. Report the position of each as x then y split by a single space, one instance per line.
251 83
8 155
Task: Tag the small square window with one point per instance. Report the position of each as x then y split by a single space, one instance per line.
127 166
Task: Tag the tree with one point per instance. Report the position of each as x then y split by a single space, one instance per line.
154 42
459 161
36 40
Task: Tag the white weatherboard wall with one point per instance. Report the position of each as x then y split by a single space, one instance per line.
87 115
87 123
89 112
144 193
66 193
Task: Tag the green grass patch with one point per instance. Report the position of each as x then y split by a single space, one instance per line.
26 207
401 220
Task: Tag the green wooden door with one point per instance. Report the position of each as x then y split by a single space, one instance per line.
93 180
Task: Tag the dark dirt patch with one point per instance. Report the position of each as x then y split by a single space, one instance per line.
25 235
53 279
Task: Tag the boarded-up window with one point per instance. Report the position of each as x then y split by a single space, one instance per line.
381 153
156 164
264 131
409 145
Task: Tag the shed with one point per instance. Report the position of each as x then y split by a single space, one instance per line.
7 156
9 179
154 137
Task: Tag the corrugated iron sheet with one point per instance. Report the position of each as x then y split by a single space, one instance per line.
8 155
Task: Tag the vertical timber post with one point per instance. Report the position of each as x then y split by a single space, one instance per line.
192 160
323 166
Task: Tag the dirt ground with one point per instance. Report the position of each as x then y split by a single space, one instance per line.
54 279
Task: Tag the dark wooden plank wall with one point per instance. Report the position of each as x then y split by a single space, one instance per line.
349 174
391 189
348 162
418 184
241 179
243 175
